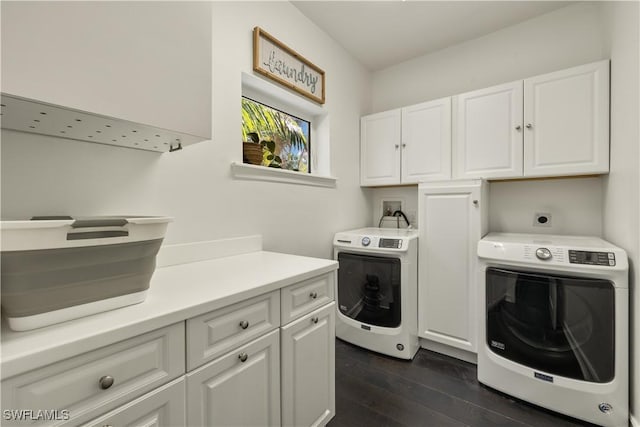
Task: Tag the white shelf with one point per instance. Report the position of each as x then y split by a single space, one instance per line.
33 116
264 173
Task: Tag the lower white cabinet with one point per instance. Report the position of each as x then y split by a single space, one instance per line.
308 369
453 218
241 388
163 407
244 368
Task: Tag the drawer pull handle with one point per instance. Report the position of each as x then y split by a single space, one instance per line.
106 382
243 357
313 295
244 324
314 320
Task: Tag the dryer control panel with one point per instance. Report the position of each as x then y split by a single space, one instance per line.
592 258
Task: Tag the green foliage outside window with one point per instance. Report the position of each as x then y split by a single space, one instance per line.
284 137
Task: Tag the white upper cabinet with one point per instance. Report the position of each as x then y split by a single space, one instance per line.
426 141
563 128
380 148
487 136
408 145
566 121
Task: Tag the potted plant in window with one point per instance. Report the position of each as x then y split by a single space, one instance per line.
252 150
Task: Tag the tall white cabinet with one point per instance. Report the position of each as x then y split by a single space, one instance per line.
554 124
453 218
407 145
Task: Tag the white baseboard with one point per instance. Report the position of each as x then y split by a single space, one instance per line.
633 421
449 351
184 253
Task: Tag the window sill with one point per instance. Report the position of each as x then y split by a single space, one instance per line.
262 173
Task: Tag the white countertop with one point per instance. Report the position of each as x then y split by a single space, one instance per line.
175 294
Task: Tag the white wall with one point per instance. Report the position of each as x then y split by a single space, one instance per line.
49 175
622 185
560 39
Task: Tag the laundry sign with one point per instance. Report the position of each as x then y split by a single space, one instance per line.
273 59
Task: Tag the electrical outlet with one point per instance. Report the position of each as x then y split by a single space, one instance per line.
542 219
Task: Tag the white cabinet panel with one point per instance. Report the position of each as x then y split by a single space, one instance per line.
163 407
567 121
426 141
487 137
241 388
308 369
380 148
453 219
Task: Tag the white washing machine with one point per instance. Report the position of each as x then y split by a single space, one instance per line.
555 325
377 289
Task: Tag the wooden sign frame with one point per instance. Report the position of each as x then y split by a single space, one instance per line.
275 60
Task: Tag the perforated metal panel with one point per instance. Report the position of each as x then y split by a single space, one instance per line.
32 116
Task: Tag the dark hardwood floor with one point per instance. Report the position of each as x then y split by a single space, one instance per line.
373 390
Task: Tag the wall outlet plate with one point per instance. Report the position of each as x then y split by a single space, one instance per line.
542 219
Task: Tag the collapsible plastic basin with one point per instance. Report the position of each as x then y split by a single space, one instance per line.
60 268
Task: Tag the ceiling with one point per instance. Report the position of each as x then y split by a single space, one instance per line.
384 33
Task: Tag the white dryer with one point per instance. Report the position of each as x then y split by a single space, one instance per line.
377 289
554 329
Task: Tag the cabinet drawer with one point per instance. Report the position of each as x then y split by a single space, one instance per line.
304 297
163 407
80 384
217 332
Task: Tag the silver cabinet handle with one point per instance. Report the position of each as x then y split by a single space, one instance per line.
243 357
106 382
314 320
518 128
529 125
313 295
244 324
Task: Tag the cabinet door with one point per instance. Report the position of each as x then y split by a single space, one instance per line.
380 149
426 141
163 407
567 121
308 369
451 224
241 388
487 132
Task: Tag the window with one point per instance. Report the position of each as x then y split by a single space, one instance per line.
284 139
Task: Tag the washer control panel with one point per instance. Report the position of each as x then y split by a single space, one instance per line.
592 258
390 243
